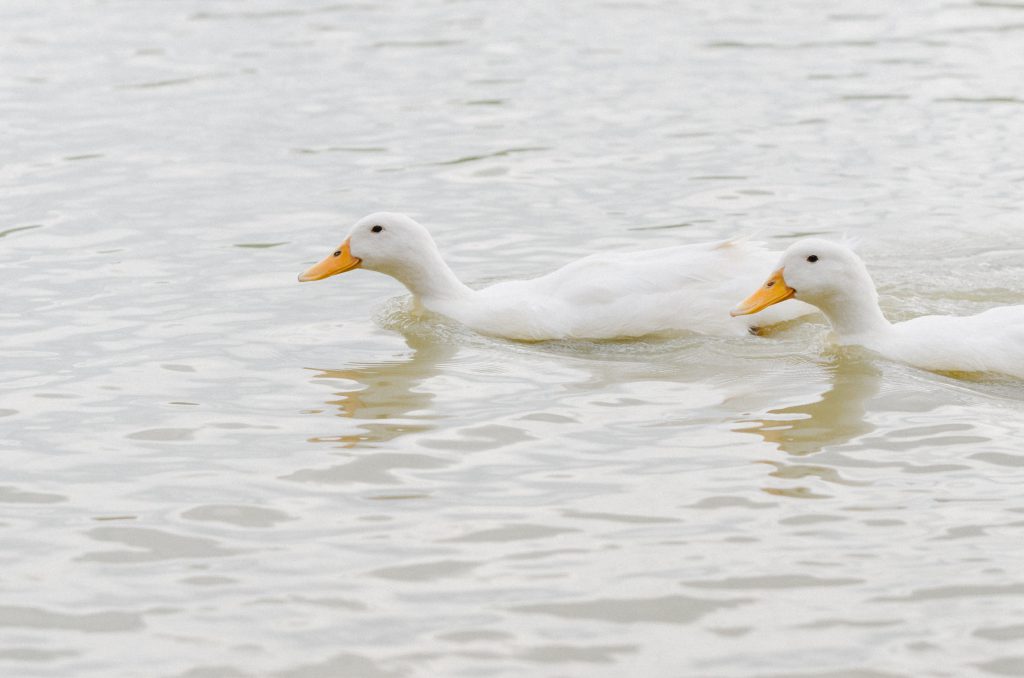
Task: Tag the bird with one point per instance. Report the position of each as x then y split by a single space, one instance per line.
830 276
608 295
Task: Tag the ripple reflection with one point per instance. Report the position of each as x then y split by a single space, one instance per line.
834 416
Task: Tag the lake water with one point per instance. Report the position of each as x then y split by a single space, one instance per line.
212 471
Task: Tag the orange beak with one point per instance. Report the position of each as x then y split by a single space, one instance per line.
772 292
333 264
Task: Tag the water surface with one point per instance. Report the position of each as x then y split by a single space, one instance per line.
213 471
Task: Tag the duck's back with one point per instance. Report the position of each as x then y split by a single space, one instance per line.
992 341
631 294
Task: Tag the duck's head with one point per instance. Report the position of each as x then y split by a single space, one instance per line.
384 241
817 271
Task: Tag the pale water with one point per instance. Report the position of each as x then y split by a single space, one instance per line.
210 470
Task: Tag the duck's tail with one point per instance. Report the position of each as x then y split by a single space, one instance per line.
738 240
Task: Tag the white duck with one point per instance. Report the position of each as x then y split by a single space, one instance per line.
603 296
830 276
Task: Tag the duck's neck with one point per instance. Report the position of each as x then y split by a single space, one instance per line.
854 312
430 279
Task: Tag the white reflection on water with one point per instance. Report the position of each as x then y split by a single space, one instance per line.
837 416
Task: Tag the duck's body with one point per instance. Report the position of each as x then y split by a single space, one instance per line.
992 341
602 296
830 276
629 294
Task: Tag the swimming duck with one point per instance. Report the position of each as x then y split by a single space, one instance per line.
602 296
830 276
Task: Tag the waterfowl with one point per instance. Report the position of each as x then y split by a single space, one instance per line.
831 277
602 296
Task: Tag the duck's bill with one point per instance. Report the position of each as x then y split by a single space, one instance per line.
772 292
339 261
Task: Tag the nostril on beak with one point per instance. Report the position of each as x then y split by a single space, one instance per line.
770 283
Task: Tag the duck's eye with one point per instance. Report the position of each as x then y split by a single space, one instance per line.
338 253
377 229
813 258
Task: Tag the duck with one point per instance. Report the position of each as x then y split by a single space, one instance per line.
607 295
830 276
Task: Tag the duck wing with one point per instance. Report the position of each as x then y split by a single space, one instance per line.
992 341
630 294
